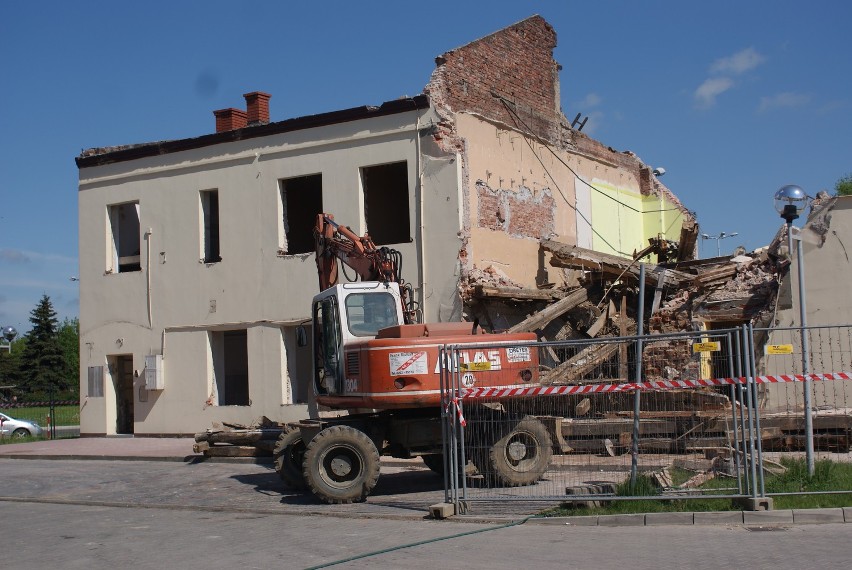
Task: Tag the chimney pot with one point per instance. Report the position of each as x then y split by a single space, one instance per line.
229 119
257 108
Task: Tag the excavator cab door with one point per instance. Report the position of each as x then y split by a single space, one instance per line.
328 373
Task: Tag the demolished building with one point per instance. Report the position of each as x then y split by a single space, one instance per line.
196 255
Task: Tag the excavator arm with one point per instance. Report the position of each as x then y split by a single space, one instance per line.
338 242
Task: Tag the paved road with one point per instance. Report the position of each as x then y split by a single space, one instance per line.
167 514
87 537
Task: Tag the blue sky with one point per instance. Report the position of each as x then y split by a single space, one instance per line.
733 99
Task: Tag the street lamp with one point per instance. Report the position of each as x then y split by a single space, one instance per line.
719 239
790 202
8 334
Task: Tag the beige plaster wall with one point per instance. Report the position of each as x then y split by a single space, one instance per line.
828 271
253 287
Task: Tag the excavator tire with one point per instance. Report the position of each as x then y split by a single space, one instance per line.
434 462
519 456
341 465
289 452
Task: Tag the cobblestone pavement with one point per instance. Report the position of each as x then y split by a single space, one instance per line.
405 489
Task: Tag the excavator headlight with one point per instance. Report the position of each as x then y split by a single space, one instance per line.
399 383
526 375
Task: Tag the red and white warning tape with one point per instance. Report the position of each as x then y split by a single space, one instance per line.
504 392
456 402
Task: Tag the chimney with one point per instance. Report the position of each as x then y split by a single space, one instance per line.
257 108
229 119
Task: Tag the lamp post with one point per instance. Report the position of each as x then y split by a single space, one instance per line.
719 239
790 201
8 334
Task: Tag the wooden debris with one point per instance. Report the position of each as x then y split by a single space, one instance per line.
688 238
575 257
237 440
491 292
580 364
662 478
541 319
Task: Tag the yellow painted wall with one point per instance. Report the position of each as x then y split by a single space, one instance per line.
624 220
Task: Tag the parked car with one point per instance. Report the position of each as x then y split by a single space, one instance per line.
18 428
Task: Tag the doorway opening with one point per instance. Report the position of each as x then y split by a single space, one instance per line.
121 367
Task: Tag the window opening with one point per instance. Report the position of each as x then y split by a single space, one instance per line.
386 202
210 214
124 223
301 201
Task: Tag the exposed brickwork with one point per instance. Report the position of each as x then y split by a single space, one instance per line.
257 107
515 63
229 119
519 213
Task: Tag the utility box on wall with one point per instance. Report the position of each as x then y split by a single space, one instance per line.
154 372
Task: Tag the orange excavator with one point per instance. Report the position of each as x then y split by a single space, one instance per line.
373 359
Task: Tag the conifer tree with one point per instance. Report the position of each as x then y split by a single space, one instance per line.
42 362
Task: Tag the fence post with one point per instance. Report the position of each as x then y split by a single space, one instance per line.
637 394
750 408
734 415
753 366
52 425
445 402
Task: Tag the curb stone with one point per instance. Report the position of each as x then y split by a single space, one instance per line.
818 516
652 519
720 517
622 520
758 518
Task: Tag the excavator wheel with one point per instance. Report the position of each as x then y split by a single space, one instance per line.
434 462
341 465
519 456
289 452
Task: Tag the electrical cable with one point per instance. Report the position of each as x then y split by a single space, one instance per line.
419 543
598 190
570 205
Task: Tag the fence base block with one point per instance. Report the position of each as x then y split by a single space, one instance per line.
442 510
756 503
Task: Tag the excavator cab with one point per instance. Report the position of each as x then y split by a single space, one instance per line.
347 313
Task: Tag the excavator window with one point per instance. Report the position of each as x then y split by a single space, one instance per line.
366 313
327 346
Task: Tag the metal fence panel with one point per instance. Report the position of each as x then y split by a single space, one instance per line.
780 360
54 420
582 425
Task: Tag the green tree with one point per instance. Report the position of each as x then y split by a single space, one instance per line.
69 341
844 186
9 367
41 366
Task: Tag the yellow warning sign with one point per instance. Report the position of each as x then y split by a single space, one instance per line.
706 347
779 349
475 366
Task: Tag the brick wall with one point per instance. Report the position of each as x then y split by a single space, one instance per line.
519 213
515 63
